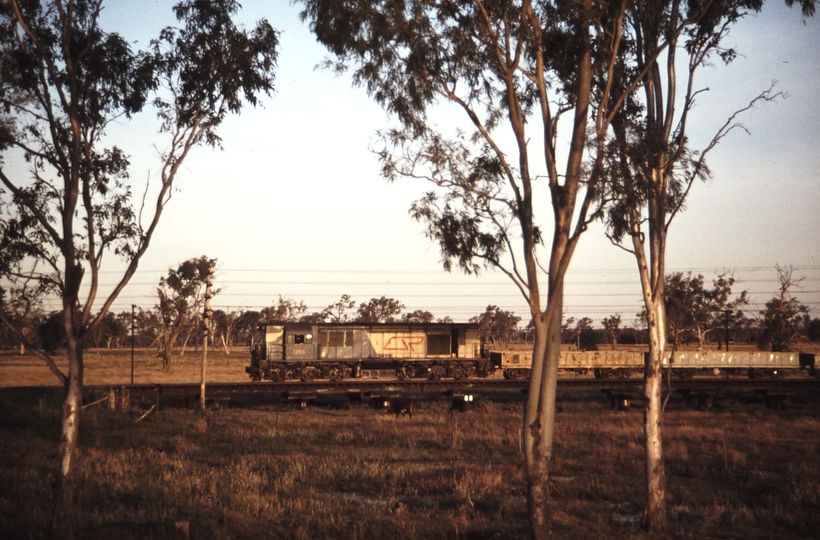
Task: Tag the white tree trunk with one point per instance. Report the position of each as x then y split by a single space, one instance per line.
63 513
655 513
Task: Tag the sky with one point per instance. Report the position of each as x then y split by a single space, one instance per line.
294 204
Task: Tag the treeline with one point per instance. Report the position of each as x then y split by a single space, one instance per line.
698 314
702 315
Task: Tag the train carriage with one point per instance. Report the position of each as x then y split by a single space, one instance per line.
515 364
749 363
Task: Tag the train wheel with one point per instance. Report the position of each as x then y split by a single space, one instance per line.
274 375
309 373
437 372
407 371
335 374
459 372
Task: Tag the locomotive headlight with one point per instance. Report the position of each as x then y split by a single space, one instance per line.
468 397
309 336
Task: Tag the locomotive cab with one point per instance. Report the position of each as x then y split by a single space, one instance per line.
300 342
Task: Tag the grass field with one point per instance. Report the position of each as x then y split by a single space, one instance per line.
738 472
113 366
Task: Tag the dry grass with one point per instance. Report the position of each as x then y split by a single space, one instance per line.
740 472
113 366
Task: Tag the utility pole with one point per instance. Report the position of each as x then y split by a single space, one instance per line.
133 307
206 316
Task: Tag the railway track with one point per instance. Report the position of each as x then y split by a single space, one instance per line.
479 388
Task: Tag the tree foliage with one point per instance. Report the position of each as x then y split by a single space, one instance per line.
379 310
284 310
612 328
23 308
694 311
339 311
497 326
418 316
181 296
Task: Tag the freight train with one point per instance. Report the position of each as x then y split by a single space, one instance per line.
338 351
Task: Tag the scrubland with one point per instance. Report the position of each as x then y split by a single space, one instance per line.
739 471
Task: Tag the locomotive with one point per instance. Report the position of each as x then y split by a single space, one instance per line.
515 364
338 351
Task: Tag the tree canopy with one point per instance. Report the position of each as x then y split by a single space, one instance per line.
784 318
695 311
379 310
497 326
181 295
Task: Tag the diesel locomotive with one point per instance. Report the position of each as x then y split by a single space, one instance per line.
338 351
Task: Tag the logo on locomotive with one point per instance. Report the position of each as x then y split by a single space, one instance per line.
398 343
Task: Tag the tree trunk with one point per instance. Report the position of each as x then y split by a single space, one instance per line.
655 513
537 468
165 354
539 420
62 517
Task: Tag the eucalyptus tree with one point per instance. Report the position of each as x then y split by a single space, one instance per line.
532 87
23 308
653 168
225 326
338 312
694 310
497 326
418 316
67 202
612 328
379 310
181 296
784 318
284 310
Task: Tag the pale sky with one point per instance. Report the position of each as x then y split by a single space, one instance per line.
295 205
